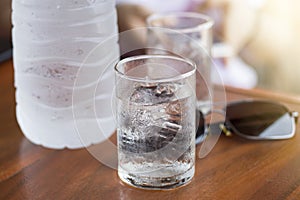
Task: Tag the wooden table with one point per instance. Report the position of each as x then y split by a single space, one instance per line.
235 169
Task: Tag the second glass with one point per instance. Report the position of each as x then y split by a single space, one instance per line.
167 37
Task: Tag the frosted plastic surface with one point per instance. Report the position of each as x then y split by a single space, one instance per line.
52 39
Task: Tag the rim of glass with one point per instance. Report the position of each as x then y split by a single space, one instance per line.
208 22
144 57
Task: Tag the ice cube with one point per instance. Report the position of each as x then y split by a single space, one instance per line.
153 118
149 94
155 138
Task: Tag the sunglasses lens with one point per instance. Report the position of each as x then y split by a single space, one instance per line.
200 132
260 120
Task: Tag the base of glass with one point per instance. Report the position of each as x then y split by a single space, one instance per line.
157 183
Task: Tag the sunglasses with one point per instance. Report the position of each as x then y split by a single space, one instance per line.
253 119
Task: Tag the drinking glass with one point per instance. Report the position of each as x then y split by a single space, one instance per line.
165 35
155 101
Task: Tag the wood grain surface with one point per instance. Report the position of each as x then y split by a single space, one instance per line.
235 169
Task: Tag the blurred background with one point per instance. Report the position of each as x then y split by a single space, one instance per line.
256 42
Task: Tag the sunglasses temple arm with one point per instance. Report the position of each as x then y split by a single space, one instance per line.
224 130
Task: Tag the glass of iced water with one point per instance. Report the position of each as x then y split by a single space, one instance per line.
189 35
155 101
